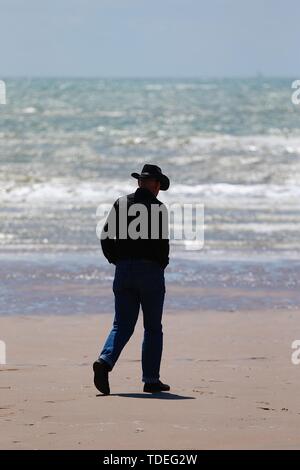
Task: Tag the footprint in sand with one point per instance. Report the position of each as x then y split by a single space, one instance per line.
6 411
202 392
265 408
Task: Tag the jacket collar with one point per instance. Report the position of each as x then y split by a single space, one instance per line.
144 193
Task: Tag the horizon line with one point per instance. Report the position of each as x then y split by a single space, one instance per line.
154 77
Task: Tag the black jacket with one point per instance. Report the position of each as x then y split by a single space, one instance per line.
116 246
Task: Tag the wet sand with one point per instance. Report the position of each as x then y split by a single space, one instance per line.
233 384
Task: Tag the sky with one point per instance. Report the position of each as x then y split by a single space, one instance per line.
149 38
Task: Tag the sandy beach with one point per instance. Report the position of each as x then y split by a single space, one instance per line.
233 384
195 105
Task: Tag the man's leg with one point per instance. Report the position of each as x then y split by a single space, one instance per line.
152 300
127 305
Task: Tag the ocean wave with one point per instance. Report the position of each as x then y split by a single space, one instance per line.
108 190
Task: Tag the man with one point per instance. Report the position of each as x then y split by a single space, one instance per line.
140 258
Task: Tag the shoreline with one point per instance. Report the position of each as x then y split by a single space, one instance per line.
81 283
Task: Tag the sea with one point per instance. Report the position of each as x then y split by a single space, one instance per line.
67 146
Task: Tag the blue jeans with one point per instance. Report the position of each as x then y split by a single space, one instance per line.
137 283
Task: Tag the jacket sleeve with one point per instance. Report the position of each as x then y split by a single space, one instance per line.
108 234
164 241
165 252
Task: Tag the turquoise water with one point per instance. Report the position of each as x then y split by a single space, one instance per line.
68 145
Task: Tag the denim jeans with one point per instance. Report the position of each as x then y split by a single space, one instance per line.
137 283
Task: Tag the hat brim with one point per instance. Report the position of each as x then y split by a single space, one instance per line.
163 179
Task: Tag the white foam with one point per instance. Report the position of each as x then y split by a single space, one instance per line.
29 110
95 192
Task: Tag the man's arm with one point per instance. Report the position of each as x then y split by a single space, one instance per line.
165 249
164 236
108 234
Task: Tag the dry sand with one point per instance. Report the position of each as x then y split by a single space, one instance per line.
233 384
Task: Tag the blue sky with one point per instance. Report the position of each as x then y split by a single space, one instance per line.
149 38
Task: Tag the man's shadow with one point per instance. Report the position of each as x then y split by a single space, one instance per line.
157 395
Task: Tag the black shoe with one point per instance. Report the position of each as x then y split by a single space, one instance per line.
101 370
156 387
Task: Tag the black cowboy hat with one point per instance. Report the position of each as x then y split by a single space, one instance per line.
153 171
